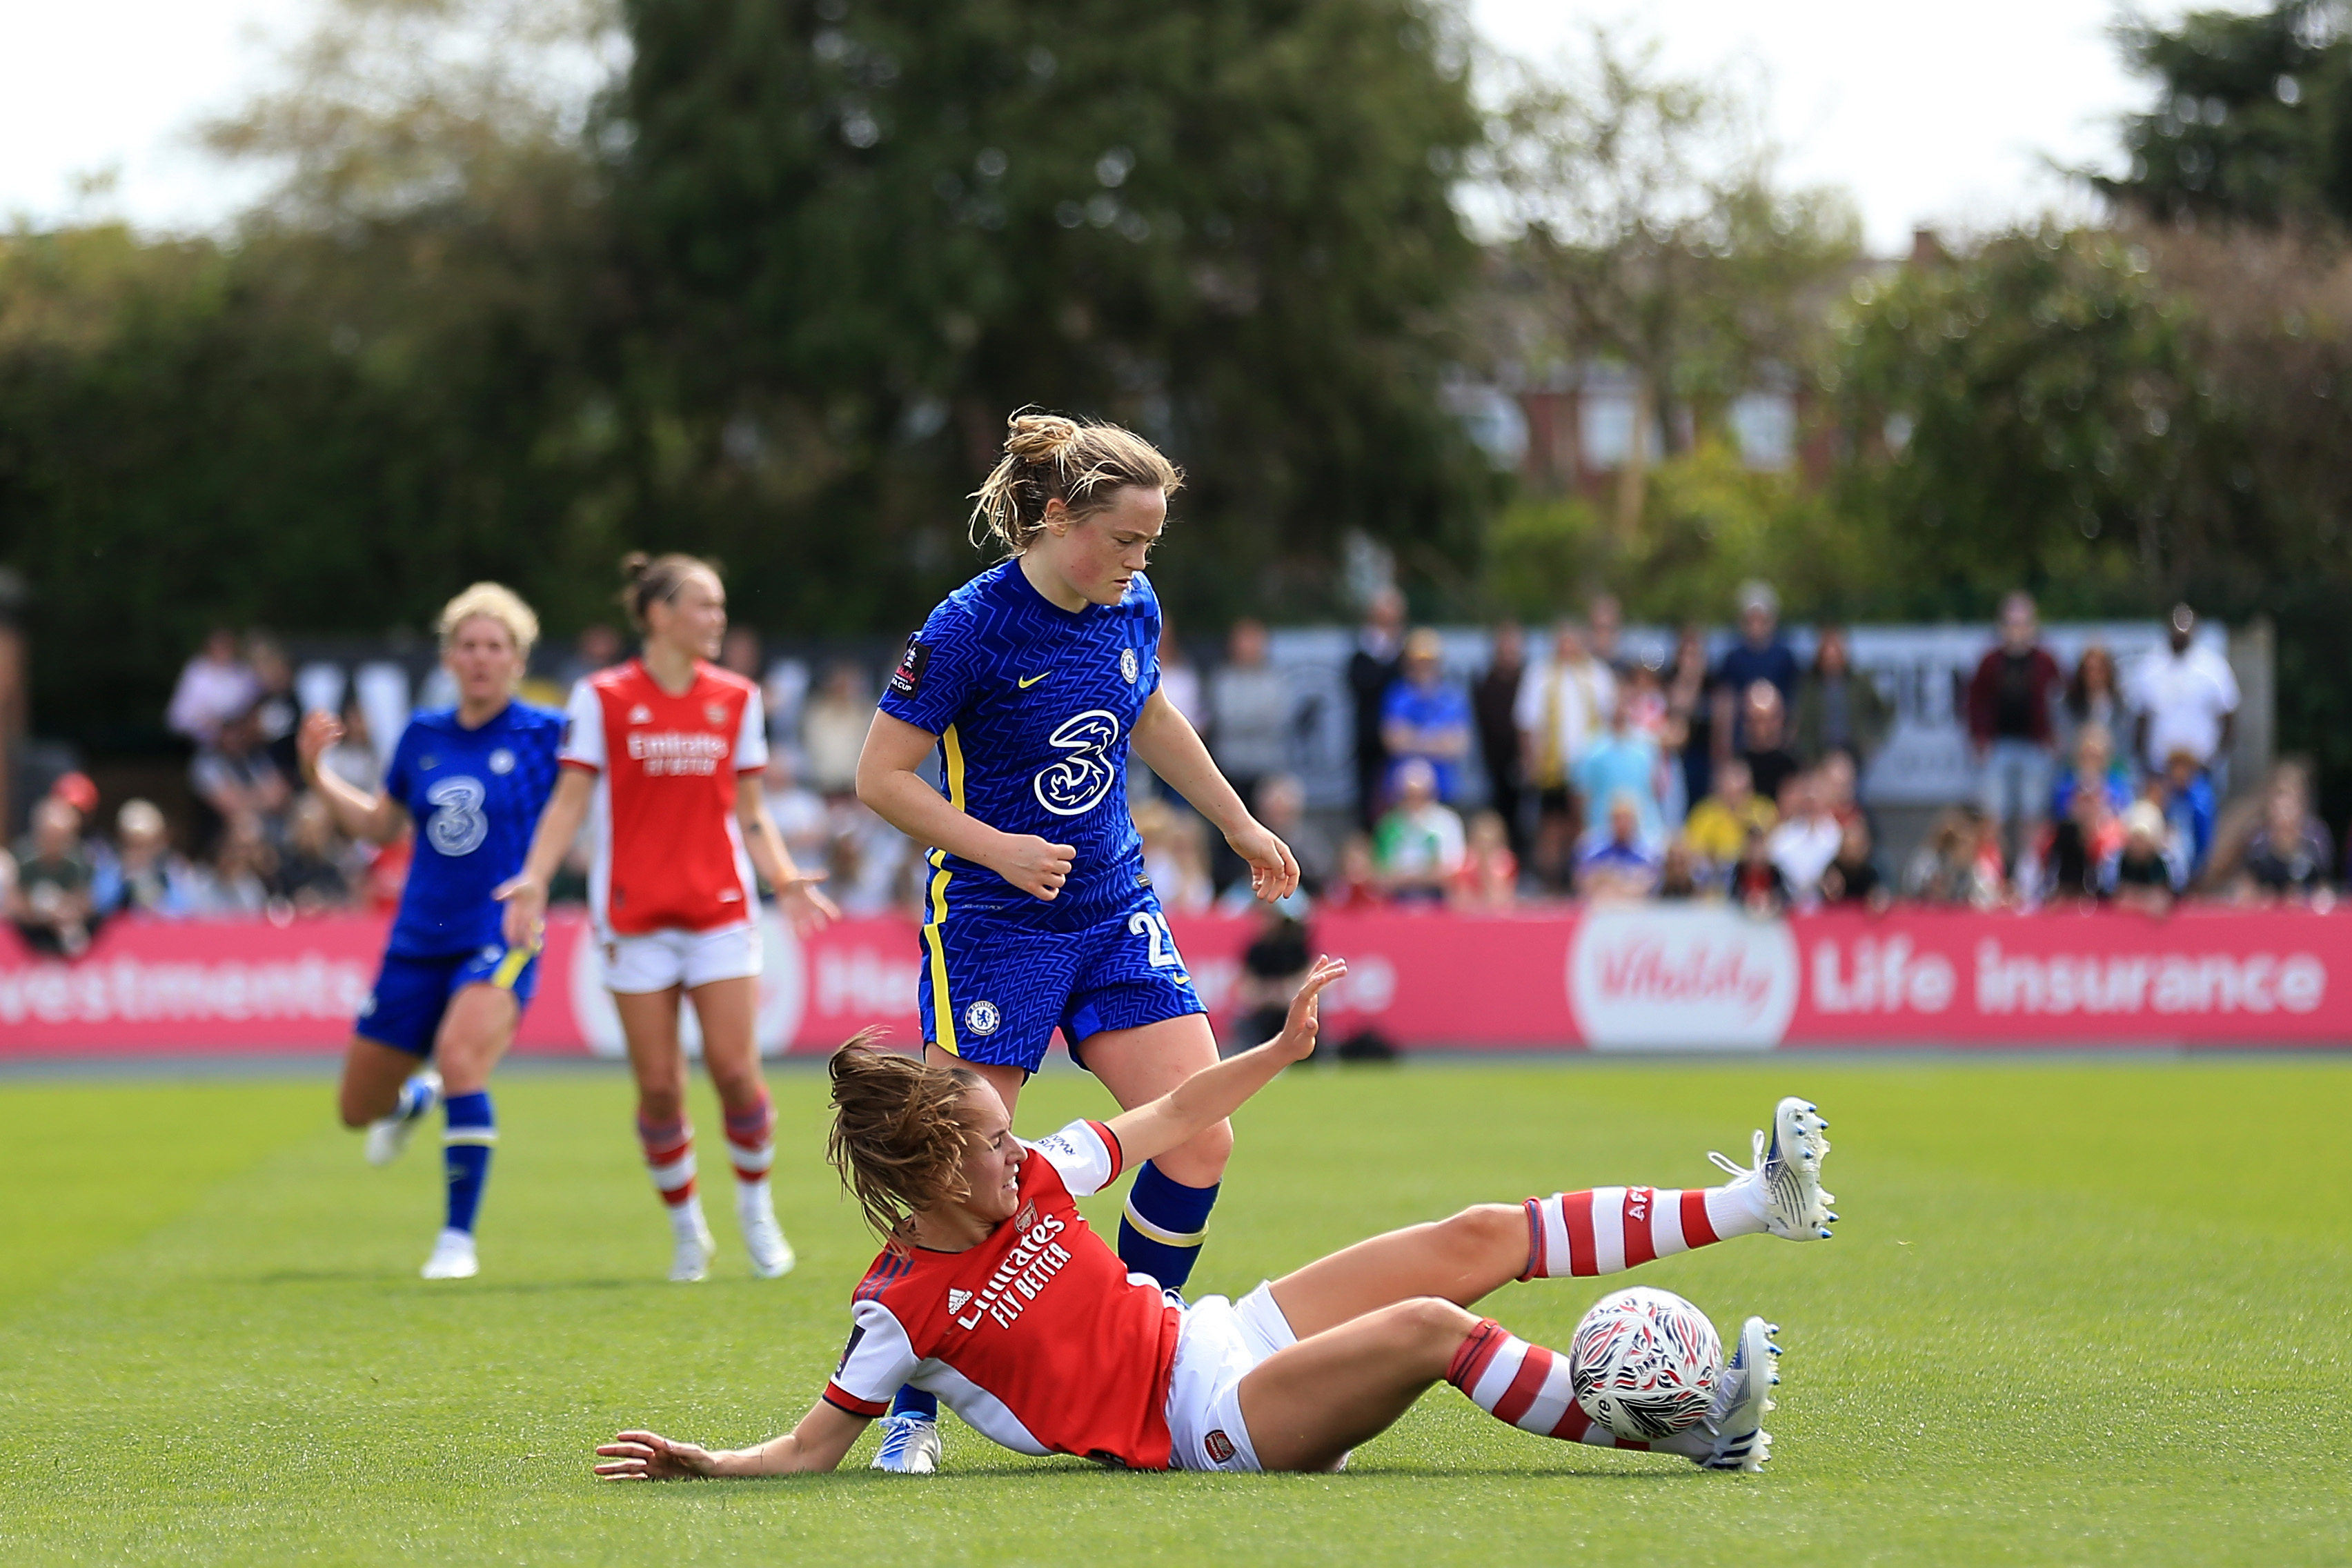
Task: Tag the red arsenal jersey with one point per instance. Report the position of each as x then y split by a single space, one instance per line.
1038 1337
669 855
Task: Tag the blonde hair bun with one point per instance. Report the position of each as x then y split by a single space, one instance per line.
1052 457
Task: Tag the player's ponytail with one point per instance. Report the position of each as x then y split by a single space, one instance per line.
898 1139
655 579
1051 458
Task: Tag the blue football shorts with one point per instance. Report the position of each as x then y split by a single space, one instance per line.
410 994
992 991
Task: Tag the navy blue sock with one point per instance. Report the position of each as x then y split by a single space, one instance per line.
469 1133
1161 1231
913 1401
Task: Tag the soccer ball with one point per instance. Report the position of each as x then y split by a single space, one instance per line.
1644 1363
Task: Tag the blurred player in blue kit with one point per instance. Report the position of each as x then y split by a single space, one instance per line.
1034 681
474 779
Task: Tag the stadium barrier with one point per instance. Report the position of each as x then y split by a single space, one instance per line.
1629 979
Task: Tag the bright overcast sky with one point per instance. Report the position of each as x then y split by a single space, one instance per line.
1931 112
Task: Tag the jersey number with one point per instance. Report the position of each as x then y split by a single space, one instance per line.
1153 929
1076 784
459 826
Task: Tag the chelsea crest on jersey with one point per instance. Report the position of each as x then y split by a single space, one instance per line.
1035 705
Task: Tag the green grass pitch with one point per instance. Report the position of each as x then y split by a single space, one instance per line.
2077 1312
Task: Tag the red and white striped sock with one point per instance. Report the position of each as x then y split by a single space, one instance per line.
752 1141
1611 1229
1527 1386
669 1157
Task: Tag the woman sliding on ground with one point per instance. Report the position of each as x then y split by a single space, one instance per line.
992 1293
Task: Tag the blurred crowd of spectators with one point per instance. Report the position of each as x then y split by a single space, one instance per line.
1610 776
1603 776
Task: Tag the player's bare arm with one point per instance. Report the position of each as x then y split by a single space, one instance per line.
1173 749
377 819
525 896
819 1443
1213 1094
889 780
797 894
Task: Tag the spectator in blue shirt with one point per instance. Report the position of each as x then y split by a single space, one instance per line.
1427 716
1623 763
2187 798
1758 655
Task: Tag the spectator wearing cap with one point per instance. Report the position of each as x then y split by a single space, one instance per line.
1427 716
1837 709
1758 655
1419 849
215 686
2186 697
148 878
2148 869
2009 702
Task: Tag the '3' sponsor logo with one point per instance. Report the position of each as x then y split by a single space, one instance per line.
1076 783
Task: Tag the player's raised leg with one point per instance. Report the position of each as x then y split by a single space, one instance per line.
728 1010
1600 1230
384 1089
1166 1219
649 1024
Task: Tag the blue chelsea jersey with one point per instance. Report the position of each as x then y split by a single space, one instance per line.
1034 705
476 796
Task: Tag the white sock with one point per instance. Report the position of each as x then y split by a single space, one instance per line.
685 1220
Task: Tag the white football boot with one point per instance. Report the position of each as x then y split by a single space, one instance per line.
695 1247
390 1134
1786 1178
910 1445
763 1238
453 1257
1733 1438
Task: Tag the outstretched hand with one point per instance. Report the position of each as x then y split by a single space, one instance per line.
1296 1040
650 1456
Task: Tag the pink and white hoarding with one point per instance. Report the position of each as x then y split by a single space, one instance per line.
1643 978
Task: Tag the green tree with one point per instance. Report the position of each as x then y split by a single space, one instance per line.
1645 224
2253 116
2032 415
870 232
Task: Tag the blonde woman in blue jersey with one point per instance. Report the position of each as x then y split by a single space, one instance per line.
472 781
1034 683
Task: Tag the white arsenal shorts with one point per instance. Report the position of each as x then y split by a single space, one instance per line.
661 960
1217 1344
